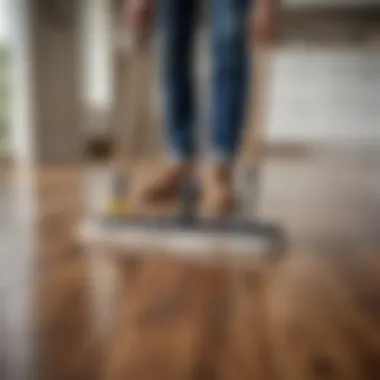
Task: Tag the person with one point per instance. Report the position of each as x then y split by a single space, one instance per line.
233 24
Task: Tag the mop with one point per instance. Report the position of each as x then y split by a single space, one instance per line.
185 232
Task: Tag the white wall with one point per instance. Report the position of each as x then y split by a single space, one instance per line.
325 96
329 3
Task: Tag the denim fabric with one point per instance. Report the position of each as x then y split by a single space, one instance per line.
177 21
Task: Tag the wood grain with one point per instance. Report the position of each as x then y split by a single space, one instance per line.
306 316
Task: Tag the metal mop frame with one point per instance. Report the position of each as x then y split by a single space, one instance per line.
184 233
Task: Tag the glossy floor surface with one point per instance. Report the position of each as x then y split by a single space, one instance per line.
313 313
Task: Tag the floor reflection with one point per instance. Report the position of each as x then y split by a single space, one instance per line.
323 200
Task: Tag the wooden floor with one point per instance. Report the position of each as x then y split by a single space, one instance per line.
313 313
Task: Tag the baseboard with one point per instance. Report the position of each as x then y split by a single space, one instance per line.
294 150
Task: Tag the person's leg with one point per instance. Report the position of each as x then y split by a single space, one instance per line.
176 23
230 80
230 74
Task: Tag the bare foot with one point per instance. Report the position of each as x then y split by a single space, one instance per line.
222 196
166 186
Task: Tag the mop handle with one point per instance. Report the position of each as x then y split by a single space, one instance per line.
130 100
129 106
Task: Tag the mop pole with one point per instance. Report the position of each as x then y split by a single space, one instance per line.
132 106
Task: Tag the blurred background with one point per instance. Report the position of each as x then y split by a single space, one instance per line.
332 46
65 85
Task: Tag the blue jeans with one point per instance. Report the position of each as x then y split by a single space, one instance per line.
229 80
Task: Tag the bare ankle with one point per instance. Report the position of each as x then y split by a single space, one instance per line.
182 168
222 173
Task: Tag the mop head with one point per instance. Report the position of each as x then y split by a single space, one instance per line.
195 237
